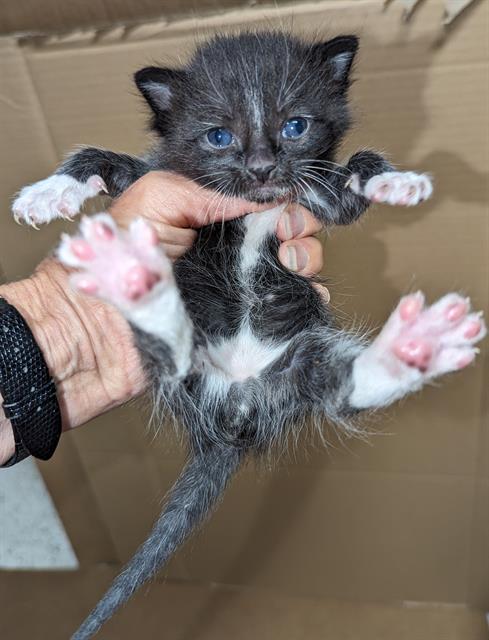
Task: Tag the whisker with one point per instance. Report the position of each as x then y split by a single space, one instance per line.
324 170
305 193
319 161
322 183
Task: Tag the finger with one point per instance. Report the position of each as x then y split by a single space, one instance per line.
304 256
323 291
174 251
297 222
212 208
180 202
170 235
175 241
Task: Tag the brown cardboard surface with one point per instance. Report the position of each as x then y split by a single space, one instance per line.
403 517
53 16
186 611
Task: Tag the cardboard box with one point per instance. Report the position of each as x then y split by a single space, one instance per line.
385 539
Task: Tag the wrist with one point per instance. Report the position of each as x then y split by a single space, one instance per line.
77 336
7 444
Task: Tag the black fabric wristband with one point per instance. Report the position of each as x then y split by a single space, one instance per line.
27 389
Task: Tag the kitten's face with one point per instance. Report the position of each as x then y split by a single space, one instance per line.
256 116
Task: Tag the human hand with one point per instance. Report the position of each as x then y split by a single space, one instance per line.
71 329
176 207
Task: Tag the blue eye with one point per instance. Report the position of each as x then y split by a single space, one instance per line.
220 138
294 128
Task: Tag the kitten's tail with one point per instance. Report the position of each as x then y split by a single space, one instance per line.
195 493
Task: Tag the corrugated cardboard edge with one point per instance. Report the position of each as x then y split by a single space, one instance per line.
137 31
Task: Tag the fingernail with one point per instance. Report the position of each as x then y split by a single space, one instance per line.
294 223
297 258
326 294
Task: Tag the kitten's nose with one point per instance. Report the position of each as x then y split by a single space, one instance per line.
261 166
263 173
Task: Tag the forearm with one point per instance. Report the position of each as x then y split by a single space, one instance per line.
339 191
87 346
118 170
7 446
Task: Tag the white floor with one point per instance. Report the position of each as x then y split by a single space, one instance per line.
31 534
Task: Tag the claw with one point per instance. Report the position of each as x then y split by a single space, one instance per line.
99 183
18 219
65 215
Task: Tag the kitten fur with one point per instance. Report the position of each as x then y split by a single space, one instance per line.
240 350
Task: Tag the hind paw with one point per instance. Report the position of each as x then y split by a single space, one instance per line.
432 340
418 343
122 267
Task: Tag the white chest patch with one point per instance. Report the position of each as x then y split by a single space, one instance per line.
243 356
258 227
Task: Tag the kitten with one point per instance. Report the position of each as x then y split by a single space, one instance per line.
239 349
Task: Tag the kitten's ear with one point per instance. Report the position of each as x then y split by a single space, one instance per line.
158 85
338 53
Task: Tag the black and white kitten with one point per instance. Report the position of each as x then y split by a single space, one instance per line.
239 349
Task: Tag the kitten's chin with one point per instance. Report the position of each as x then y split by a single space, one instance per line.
266 194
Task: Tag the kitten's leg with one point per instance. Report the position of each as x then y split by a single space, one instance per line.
417 344
83 175
130 270
367 178
340 376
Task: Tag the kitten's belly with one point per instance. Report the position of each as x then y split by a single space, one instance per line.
246 306
244 355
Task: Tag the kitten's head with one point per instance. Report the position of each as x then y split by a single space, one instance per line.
253 115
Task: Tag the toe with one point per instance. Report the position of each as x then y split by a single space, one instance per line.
469 332
411 306
454 312
143 233
452 359
473 329
85 283
102 230
82 250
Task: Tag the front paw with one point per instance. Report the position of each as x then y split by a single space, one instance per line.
394 187
59 196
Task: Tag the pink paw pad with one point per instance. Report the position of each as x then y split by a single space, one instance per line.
120 266
474 327
456 311
103 231
411 306
81 249
138 281
85 283
435 339
414 353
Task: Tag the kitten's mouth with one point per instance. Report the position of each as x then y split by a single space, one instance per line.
267 193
